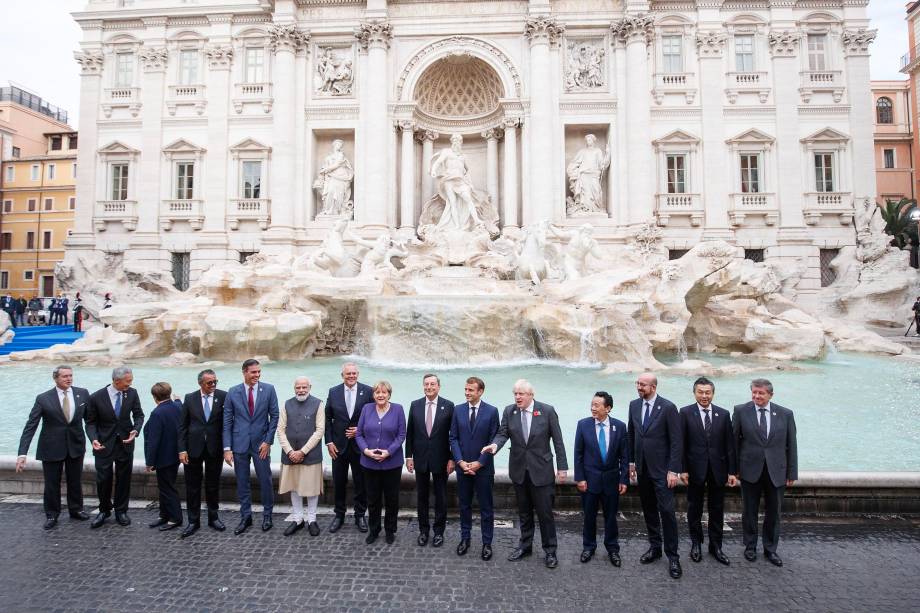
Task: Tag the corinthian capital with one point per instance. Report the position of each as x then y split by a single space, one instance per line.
784 43
543 30
374 33
90 62
219 56
634 28
856 42
155 59
710 44
287 37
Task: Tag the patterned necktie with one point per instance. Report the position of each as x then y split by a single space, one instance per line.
252 403
648 412
602 442
66 407
763 423
707 422
207 408
472 418
117 405
429 417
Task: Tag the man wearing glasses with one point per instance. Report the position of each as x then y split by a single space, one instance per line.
201 425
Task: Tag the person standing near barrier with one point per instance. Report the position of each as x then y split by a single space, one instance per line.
301 425
61 443
916 310
161 454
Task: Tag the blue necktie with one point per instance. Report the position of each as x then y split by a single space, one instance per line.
207 409
118 405
602 441
648 413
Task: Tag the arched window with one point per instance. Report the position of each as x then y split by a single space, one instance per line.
883 110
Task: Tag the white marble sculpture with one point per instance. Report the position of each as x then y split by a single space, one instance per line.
378 255
585 172
334 74
532 263
585 67
332 257
578 245
334 182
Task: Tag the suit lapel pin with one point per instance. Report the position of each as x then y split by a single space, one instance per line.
774 415
536 413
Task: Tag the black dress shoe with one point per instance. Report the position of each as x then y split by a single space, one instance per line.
361 522
519 554
550 560
438 540
215 523
615 558
674 569
293 527
159 521
244 523
586 555
100 518
336 524
774 559
169 526
266 524
390 538
486 554
696 552
190 529
313 528
123 519
50 522
422 539
463 547
650 556
750 555
371 537
720 557
79 515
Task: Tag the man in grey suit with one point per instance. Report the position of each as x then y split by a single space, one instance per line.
530 426
61 444
768 464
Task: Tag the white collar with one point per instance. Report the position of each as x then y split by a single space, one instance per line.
605 423
528 408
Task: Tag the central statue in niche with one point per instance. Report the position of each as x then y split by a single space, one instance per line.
458 205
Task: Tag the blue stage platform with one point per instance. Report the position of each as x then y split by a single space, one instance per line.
39 337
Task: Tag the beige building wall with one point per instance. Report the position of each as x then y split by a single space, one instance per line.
893 140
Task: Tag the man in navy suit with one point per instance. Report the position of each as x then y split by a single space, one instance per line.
601 474
343 410
428 455
250 421
709 463
61 444
655 461
473 426
161 453
768 463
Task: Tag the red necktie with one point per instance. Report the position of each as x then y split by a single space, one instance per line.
252 404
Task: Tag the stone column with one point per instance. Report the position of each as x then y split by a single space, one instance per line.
407 175
856 50
427 138
510 177
491 136
636 32
715 188
87 191
374 36
216 197
150 190
542 32
784 49
285 40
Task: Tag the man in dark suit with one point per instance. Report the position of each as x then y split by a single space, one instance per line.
428 455
768 463
64 303
473 426
201 425
601 474
161 454
61 443
530 426
709 463
113 420
343 409
250 421
655 462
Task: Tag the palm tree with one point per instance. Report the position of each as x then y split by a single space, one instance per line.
898 222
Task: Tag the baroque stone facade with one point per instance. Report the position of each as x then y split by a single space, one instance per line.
204 125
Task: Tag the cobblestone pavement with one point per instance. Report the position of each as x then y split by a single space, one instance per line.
831 565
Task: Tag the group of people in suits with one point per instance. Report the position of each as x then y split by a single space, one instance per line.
700 445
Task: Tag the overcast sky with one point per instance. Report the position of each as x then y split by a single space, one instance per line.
38 38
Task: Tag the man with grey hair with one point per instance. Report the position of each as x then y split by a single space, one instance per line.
301 424
61 444
768 463
113 420
530 426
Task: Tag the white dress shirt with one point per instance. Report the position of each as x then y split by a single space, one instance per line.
113 395
767 414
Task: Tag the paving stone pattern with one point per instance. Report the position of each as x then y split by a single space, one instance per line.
831 565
